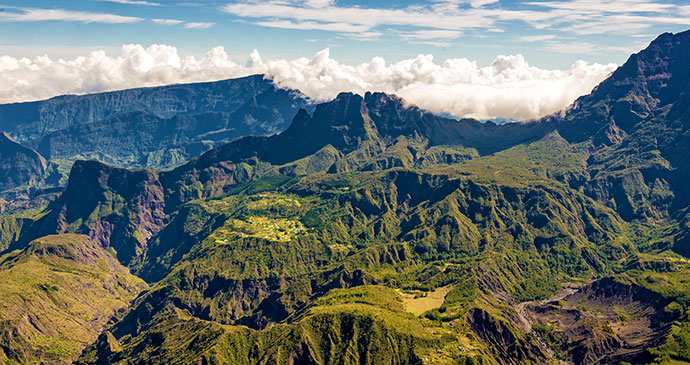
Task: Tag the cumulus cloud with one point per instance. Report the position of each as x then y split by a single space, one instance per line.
508 88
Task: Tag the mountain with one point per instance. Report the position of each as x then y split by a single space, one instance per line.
32 120
151 127
20 166
638 119
351 133
159 127
141 139
58 293
25 177
370 231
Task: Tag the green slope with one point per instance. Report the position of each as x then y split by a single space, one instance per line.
265 256
375 232
56 295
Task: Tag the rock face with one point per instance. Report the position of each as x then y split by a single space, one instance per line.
20 166
35 119
115 207
606 322
497 334
143 139
151 127
647 86
638 124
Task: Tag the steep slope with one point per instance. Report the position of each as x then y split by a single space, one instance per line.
362 325
35 119
20 166
56 295
350 133
142 139
611 320
117 208
151 127
637 121
644 88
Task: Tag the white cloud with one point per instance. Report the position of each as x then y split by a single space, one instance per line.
608 6
590 48
333 27
167 21
19 14
583 17
537 38
433 34
198 25
133 2
370 17
438 44
319 3
362 36
480 3
509 87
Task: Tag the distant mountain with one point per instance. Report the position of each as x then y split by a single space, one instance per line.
140 139
159 127
500 121
20 166
32 120
151 127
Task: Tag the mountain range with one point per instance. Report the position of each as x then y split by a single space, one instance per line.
158 127
366 231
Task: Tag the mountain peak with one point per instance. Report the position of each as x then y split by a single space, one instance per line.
645 87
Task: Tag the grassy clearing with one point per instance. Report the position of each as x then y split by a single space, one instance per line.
266 215
420 302
267 201
283 230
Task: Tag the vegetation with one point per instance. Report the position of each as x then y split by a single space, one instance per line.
56 295
373 232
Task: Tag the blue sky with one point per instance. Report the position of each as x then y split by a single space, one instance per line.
551 34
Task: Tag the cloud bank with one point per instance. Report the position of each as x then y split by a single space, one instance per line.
508 88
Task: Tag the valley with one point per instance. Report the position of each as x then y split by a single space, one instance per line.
367 230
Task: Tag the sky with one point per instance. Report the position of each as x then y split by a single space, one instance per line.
479 58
